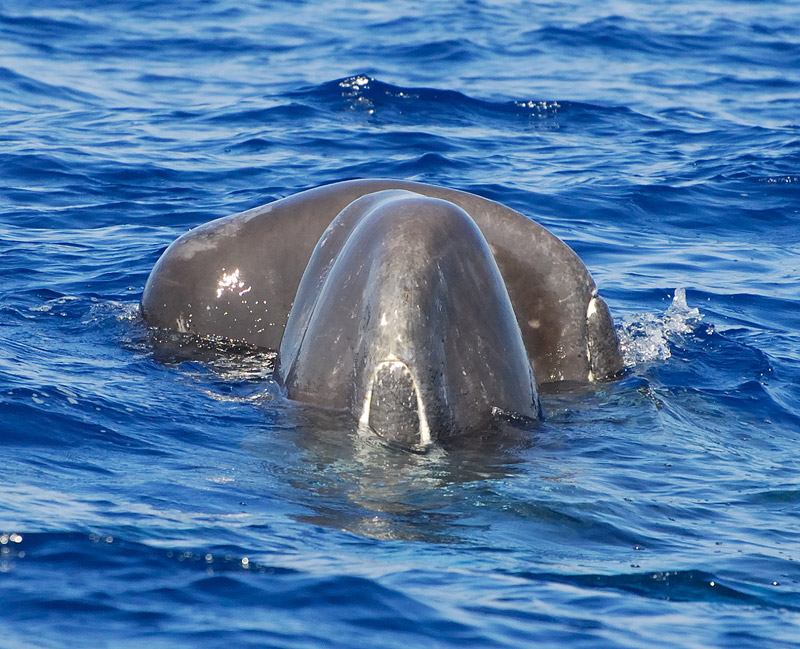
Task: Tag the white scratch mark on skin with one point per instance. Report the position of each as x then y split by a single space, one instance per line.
591 310
396 364
210 235
568 297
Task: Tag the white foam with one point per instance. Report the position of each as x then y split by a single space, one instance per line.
645 337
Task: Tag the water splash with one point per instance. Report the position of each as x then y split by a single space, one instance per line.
645 337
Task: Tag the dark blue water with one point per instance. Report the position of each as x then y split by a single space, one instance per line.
180 504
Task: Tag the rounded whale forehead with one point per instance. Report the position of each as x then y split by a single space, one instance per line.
397 205
403 318
411 218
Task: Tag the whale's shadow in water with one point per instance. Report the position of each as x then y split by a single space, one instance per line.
357 482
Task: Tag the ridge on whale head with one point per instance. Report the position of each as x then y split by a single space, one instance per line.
423 311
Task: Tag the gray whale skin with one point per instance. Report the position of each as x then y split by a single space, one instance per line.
425 312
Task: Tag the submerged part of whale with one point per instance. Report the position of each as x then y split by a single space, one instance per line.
421 309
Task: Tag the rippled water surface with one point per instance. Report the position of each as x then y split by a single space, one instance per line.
153 503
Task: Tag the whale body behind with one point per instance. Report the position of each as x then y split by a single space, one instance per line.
422 310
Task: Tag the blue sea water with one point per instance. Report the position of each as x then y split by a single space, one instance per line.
152 503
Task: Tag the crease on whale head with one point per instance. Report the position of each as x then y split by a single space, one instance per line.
393 406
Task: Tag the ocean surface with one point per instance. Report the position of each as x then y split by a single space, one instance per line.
185 502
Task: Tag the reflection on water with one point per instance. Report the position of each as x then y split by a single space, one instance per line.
356 482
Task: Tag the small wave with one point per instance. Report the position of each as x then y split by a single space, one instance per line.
669 585
373 97
786 180
34 93
114 310
645 337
